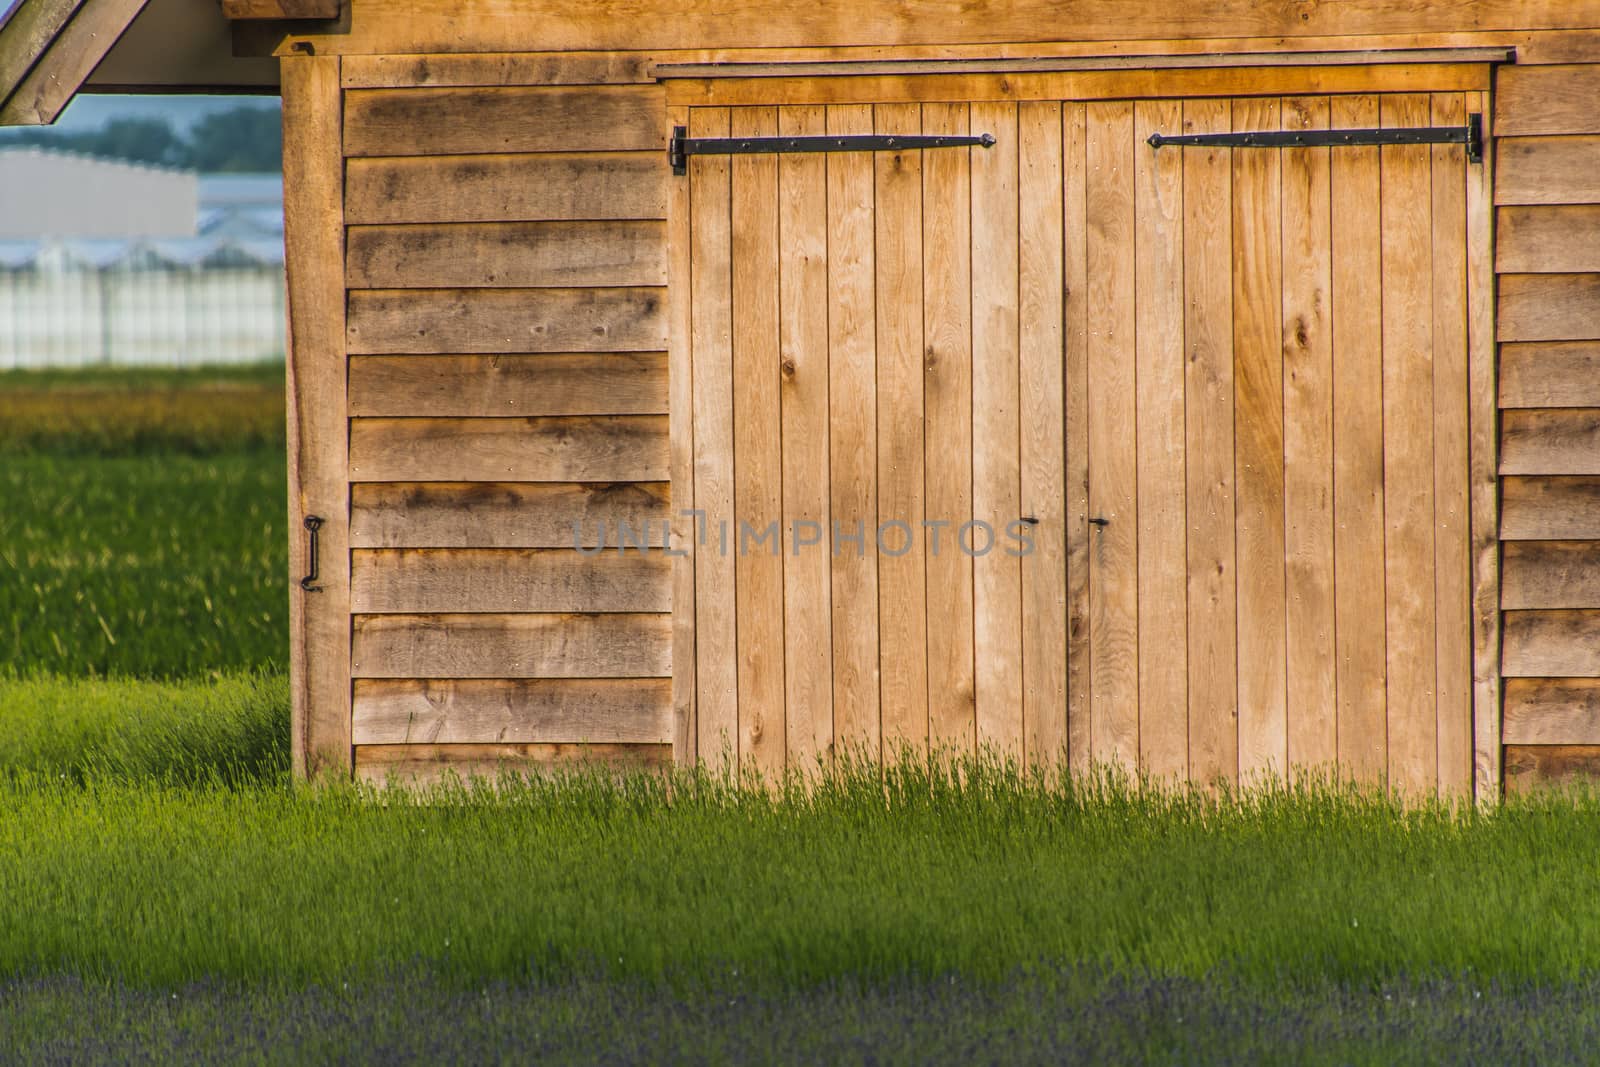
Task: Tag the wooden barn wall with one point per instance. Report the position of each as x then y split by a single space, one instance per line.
1548 262
505 267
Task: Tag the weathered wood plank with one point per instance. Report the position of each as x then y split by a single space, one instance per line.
1360 662
1208 436
281 9
513 646
492 69
1258 456
1552 711
1075 384
1547 170
803 367
1535 101
1485 485
1081 85
507 254
1550 574
1551 644
996 428
902 579
429 321
508 25
711 383
1159 426
1533 767
680 324
1549 307
1551 375
1451 442
431 122
438 189
1311 665
609 448
1550 441
609 383
1408 416
73 52
504 580
513 711
852 437
947 395
429 765
319 622
1113 470
1041 288
757 450
1540 508
509 514
1548 239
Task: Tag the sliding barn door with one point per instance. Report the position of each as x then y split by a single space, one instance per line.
1078 448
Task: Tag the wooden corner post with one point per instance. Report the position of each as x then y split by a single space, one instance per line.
319 482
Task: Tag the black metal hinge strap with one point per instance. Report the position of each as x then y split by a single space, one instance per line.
1470 135
682 146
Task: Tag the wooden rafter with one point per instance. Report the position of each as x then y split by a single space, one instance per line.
48 49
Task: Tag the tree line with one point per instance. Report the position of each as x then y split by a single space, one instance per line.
240 140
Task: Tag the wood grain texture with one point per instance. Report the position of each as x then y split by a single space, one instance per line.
1536 101
996 429
757 450
513 711
610 383
1453 665
1308 444
496 188
509 514
1552 711
1041 322
1551 644
680 325
513 646
493 69
1550 375
1258 448
319 622
431 122
1159 429
73 53
1548 239
1541 508
506 580
902 579
600 448
1360 639
947 400
1550 574
506 25
1547 170
1482 474
1075 265
852 437
281 9
1550 441
711 344
1529 768
1549 307
507 254
1113 471
429 321
803 369
420 766
1208 445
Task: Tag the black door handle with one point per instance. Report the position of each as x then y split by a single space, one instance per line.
309 582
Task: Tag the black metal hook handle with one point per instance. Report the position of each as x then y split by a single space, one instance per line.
313 523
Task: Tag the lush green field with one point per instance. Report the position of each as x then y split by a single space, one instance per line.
170 894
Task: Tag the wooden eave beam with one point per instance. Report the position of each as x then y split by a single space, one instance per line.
281 9
49 48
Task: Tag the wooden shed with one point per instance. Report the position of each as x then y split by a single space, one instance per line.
1208 387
